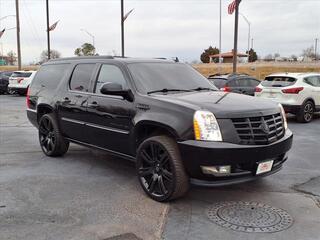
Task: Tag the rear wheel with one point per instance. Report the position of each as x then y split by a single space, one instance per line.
160 169
52 143
305 115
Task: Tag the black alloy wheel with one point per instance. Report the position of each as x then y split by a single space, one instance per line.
51 141
160 170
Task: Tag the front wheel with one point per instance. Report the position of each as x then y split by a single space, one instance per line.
52 142
305 115
160 169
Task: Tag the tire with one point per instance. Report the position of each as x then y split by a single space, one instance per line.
305 114
52 143
160 170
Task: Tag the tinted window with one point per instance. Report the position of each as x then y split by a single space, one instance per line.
218 82
21 74
233 83
313 81
110 74
49 76
275 81
254 83
81 76
247 82
157 76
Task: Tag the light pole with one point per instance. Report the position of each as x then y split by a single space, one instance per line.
6 17
249 33
1 19
123 19
18 35
91 35
316 49
220 33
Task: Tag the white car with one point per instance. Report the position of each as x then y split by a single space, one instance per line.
299 93
19 81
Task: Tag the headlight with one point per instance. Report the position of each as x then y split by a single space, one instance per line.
283 113
206 127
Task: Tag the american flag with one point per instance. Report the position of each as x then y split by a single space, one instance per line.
2 32
232 6
53 26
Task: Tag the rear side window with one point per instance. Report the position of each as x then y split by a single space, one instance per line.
21 74
218 82
110 74
275 81
313 81
248 82
233 83
49 76
81 76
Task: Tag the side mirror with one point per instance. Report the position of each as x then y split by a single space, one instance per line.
115 89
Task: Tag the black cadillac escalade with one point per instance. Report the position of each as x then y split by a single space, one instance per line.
165 116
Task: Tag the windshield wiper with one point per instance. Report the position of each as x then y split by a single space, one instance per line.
165 90
202 89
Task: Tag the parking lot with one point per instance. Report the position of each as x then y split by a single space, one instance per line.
89 195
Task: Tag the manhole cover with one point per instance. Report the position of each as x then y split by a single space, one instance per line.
249 217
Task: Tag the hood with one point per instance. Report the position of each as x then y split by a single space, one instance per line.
221 104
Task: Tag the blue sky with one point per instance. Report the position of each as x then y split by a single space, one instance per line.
163 28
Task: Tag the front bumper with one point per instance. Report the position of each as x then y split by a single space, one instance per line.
243 159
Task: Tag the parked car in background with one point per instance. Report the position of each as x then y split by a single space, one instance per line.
4 81
299 93
165 116
19 81
236 83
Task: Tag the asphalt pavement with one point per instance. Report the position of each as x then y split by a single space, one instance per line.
89 195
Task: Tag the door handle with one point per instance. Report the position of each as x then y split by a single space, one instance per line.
66 100
93 105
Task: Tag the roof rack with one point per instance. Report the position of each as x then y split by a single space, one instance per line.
82 57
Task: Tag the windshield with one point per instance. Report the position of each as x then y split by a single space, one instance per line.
149 77
275 81
21 74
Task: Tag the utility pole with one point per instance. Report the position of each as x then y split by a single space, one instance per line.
235 48
48 31
122 29
18 35
220 33
252 43
316 49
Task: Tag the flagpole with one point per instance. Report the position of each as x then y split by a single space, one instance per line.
18 35
235 48
122 29
48 31
220 33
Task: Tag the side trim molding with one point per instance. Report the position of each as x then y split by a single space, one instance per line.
95 126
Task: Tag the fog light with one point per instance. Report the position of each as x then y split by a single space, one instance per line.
216 170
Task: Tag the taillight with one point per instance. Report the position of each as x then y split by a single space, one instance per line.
292 90
258 89
226 89
28 98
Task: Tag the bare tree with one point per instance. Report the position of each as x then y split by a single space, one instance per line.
12 58
308 52
53 54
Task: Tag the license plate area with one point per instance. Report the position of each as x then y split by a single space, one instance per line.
264 167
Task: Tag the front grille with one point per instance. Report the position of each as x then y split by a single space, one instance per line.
259 130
